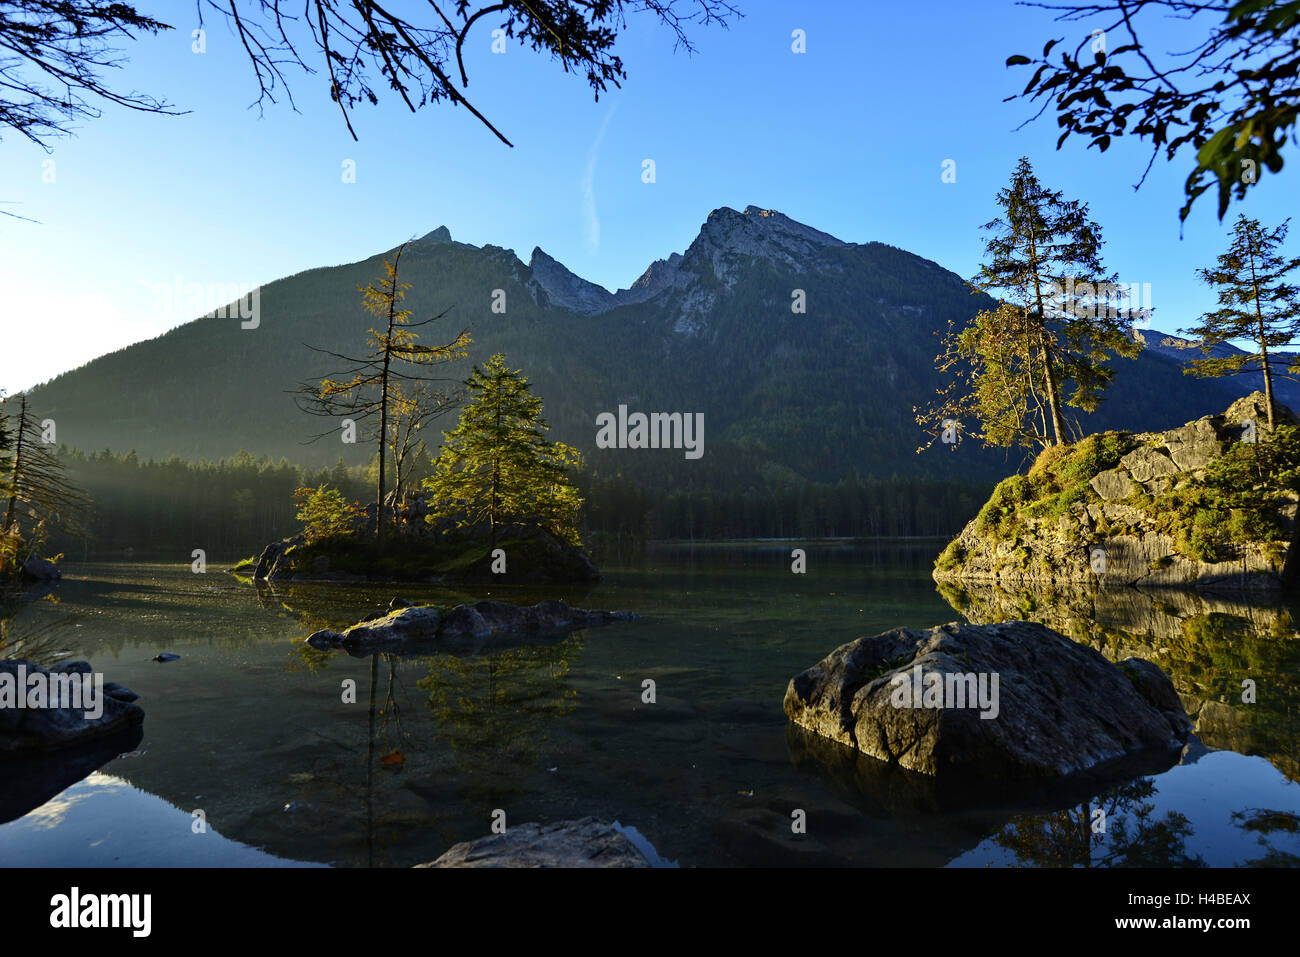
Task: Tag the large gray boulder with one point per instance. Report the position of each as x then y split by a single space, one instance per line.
415 624
1054 708
588 842
32 730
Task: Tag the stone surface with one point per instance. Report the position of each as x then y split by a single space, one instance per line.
1061 707
1146 463
272 563
1112 484
416 623
587 842
1064 550
36 730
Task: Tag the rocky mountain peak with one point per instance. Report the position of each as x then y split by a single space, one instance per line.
440 235
725 238
760 233
565 289
660 274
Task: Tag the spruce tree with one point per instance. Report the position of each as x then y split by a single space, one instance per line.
1256 304
1049 341
498 468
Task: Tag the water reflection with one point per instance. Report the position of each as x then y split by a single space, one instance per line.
1119 827
251 725
1210 647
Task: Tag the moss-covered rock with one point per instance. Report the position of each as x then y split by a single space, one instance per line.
529 556
1210 505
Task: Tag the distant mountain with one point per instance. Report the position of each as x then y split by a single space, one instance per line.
787 396
1252 378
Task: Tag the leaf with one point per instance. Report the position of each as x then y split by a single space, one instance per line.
1017 60
395 757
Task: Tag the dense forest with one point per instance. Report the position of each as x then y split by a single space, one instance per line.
232 507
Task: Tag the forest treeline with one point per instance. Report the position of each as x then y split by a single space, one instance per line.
233 507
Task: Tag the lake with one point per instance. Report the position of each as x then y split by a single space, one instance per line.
250 756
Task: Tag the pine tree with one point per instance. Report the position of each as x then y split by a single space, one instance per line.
498 468
1048 343
35 478
1256 305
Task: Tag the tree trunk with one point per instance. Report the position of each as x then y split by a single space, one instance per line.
18 464
1263 338
1050 385
1049 375
383 427
496 480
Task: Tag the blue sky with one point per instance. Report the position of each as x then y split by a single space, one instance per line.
848 137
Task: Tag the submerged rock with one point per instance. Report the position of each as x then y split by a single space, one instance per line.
1011 701
426 623
588 842
31 726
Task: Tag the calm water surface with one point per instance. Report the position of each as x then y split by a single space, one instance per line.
250 727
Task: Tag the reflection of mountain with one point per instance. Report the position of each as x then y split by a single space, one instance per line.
105 821
1208 647
27 783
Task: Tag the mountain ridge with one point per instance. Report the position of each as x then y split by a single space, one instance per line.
789 395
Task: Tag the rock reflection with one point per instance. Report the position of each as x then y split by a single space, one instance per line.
1209 646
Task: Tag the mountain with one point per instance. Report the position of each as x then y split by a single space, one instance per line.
787 396
1251 379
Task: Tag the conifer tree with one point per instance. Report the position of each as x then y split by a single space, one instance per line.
1256 304
498 468
387 384
35 478
1048 343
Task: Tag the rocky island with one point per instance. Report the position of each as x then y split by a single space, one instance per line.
1210 506
460 626
522 556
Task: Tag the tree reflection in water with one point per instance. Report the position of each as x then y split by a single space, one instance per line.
1116 829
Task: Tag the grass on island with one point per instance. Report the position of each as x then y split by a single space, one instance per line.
412 558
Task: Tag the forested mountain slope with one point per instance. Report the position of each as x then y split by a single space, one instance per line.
787 396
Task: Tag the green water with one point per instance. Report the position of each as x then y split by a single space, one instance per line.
249 726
